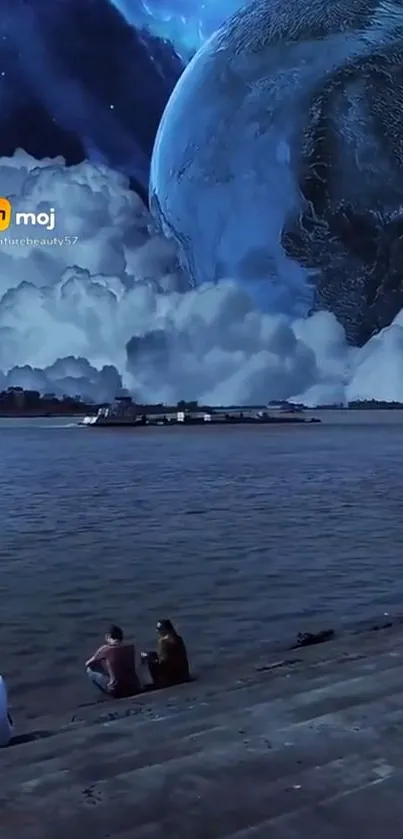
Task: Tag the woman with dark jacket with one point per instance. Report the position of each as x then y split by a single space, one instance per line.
169 665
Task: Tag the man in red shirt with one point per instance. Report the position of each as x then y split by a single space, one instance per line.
112 668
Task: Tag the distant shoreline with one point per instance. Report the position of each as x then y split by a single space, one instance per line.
44 414
80 414
16 403
361 406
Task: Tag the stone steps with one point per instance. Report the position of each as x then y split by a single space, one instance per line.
117 745
170 799
278 681
278 695
271 757
217 682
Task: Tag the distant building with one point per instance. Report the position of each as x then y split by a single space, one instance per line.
188 416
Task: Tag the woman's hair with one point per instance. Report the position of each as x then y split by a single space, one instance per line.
115 632
166 626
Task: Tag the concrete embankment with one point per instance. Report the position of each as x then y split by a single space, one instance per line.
306 746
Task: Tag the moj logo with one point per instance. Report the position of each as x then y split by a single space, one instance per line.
5 213
47 220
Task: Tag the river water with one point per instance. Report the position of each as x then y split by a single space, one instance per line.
242 536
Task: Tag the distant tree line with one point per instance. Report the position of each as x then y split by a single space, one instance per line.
18 400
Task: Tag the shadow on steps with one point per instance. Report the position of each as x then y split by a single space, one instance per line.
30 736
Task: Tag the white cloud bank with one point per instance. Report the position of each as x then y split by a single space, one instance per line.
114 307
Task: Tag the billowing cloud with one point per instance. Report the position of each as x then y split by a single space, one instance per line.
101 301
67 377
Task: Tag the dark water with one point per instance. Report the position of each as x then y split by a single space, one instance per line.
239 535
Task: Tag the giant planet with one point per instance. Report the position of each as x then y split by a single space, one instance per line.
279 159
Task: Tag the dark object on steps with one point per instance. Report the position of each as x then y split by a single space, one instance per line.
287 662
308 639
377 627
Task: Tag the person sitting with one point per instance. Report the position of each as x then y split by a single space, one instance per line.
112 668
6 722
169 665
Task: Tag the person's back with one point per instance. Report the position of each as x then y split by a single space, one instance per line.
172 654
113 667
6 726
121 659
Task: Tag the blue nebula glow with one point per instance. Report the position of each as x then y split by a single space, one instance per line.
187 23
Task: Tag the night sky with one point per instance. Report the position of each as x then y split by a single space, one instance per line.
77 80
